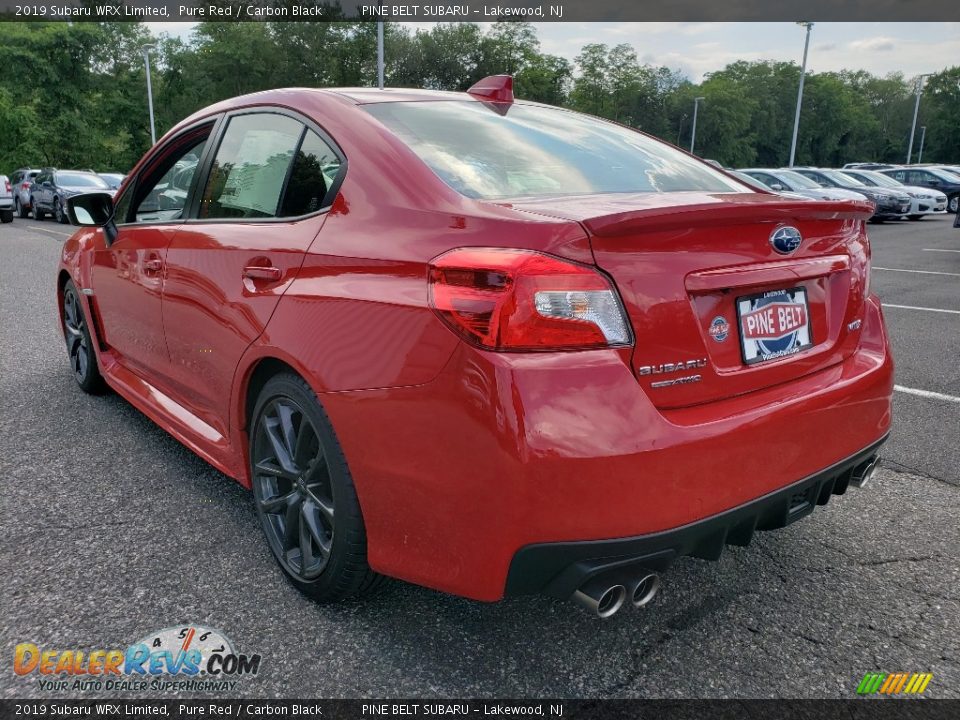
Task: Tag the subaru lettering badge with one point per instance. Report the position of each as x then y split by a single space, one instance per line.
785 239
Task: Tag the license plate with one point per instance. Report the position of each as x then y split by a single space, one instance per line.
773 324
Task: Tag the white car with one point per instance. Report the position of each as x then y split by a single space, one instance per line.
6 199
923 200
790 181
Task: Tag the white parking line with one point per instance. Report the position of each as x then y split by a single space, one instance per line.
52 232
939 250
925 309
926 394
920 272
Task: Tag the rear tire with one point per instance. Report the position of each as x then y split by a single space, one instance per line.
6 216
23 212
37 212
304 494
915 217
80 351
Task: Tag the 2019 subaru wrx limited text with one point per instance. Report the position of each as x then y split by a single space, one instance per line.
483 345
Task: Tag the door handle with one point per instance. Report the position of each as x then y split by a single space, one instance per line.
258 272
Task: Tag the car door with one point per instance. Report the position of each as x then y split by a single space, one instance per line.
922 178
128 272
40 189
263 203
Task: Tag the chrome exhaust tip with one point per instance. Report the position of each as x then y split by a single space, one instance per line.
864 474
600 599
645 590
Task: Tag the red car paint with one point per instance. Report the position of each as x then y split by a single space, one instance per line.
462 455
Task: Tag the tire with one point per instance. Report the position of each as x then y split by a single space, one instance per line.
37 212
915 217
59 213
300 476
6 216
23 212
76 334
952 203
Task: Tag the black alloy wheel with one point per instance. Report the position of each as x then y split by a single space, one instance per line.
58 212
304 495
83 360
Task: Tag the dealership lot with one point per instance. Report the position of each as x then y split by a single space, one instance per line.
114 530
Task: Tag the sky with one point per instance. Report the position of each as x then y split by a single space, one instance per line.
699 48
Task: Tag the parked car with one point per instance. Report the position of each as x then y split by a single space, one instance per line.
504 349
923 201
6 200
869 166
754 183
790 181
114 180
890 204
930 177
21 180
51 188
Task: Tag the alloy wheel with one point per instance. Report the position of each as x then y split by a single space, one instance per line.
74 327
58 210
954 203
293 488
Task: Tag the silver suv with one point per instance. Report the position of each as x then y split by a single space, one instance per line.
21 180
6 200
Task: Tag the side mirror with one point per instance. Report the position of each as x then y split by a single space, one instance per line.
93 210
777 186
933 183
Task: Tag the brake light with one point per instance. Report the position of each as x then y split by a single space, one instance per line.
7 183
503 299
25 185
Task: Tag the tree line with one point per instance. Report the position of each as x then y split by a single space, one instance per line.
73 95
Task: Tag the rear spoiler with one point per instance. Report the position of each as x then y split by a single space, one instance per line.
730 210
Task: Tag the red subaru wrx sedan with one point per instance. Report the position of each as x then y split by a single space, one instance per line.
483 345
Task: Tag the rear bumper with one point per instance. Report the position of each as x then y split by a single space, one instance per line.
558 569
501 452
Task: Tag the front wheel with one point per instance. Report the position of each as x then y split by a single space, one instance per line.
954 202
304 495
38 214
915 217
59 213
83 358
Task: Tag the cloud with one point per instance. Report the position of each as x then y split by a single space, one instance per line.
880 43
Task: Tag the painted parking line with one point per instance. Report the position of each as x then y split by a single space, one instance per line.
919 272
926 394
52 232
939 250
924 309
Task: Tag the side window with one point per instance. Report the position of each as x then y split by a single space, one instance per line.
899 176
162 196
314 170
248 173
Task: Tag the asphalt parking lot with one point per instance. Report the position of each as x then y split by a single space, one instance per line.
112 530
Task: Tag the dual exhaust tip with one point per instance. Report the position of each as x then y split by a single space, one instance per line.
862 474
604 599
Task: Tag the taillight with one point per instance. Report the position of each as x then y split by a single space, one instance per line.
503 299
7 183
26 185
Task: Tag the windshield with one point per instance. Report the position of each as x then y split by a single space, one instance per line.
68 179
526 150
842 178
796 180
946 175
880 180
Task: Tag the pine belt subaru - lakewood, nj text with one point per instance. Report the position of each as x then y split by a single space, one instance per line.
487 346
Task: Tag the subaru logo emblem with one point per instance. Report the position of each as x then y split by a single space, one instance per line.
785 239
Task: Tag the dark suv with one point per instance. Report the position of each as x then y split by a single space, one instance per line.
890 203
944 181
51 188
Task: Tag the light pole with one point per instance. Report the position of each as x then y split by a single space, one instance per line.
916 111
680 129
693 131
146 59
923 136
380 54
803 76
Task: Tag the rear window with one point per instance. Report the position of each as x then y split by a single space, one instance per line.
526 150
